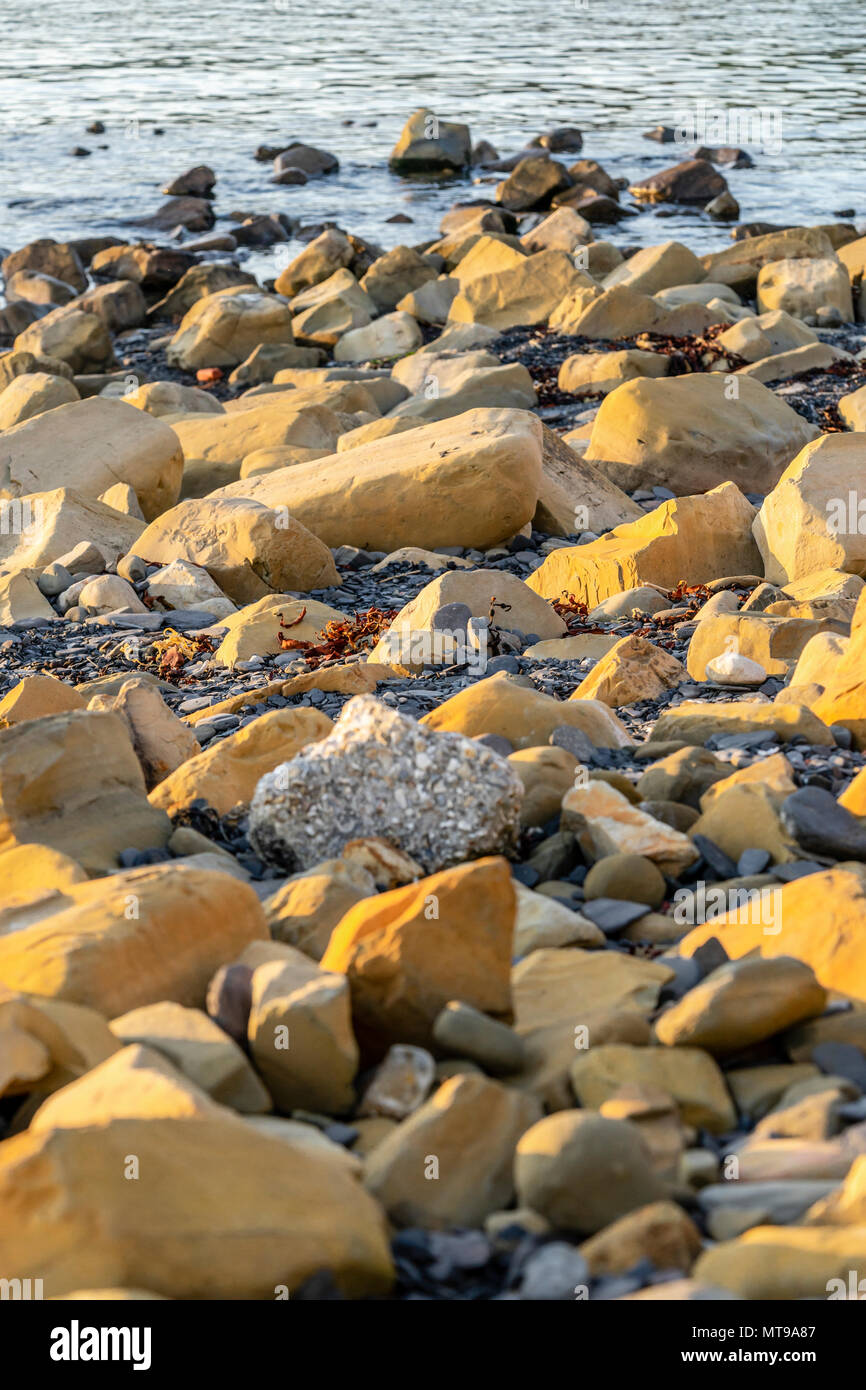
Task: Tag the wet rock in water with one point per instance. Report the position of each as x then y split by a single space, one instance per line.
532 184
440 797
430 145
662 134
693 181
196 183
193 213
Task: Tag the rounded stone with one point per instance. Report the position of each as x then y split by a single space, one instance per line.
471 1034
629 877
582 1171
451 617
731 668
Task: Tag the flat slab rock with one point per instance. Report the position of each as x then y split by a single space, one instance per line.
440 797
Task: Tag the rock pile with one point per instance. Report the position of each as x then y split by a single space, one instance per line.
433 749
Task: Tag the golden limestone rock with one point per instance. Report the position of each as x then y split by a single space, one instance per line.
134 938
816 919
72 782
408 952
526 717
695 539
225 774
692 433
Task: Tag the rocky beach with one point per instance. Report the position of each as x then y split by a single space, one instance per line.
433 737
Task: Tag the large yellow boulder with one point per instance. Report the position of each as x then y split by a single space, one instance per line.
412 640
499 705
45 1043
853 257
526 292
622 312
79 339
547 773
657 268
255 629
34 697
739 265
741 1003
130 939
812 519
300 1034
745 815
32 393
568 1000
599 373
32 870
471 1127
249 549
819 916
804 285
852 407
691 538
691 433
103 442
843 699
219 1211
773 641
408 952
307 906
614 825
135 1082
694 722
576 496
328 252
323 312
689 1074
634 669
782 1263
200 1049
853 797
162 741
170 398
222 329
660 1232
72 782
43 526
472 480
226 773
273 421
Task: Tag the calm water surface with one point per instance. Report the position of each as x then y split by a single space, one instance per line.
220 78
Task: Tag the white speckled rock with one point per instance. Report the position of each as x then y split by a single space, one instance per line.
441 798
